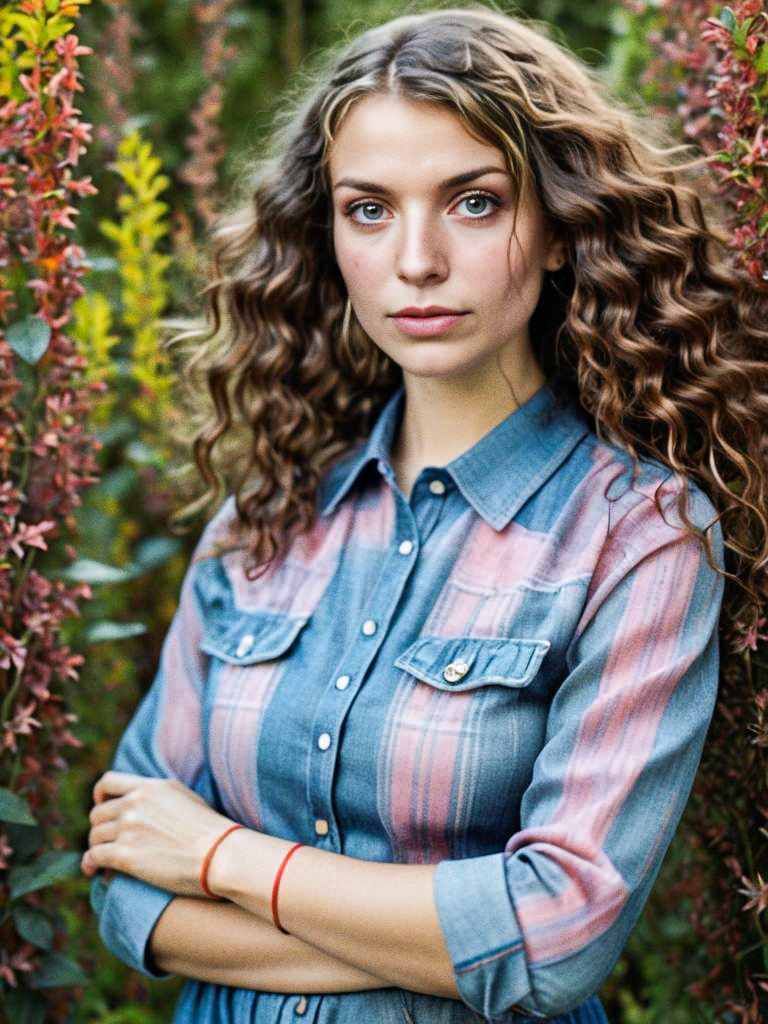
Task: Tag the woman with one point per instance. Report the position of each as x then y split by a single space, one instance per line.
449 653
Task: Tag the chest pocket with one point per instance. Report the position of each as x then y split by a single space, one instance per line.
462 734
458 664
245 638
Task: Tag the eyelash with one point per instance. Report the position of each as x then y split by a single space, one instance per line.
358 204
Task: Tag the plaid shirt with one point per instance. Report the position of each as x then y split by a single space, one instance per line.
509 674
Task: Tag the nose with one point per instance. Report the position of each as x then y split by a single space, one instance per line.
422 253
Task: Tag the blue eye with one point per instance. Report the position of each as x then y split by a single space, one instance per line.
370 213
479 206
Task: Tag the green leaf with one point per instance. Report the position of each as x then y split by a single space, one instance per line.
34 926
113 631
14 808
29 338
56 970
88 570
24 1007
50 867
26 840
728 18
761 59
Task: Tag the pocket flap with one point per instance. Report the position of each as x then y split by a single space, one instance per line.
465 662
243 638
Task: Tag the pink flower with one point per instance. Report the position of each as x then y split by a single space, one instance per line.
748 636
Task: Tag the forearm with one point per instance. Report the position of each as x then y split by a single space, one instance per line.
243 951
379 917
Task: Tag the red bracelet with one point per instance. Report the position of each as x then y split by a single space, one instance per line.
276 886
207 862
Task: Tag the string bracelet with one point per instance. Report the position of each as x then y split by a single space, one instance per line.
276 886
207 862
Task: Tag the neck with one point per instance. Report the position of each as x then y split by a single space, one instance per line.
444 417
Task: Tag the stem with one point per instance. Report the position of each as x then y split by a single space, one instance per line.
5 713
26 566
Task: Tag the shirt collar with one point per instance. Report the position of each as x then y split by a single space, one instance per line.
498 474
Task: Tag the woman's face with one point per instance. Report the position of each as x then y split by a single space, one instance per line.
424 217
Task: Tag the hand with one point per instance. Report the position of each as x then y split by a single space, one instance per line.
157 830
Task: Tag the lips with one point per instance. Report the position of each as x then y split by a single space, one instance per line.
428 311
427 322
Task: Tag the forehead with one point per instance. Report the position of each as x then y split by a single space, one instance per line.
385 136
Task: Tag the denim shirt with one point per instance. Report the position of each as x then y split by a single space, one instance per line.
508 674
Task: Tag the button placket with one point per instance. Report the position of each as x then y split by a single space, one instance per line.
353 665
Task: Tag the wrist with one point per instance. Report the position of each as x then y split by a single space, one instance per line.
244 867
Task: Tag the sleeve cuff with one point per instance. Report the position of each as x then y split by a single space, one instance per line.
129 910
482 934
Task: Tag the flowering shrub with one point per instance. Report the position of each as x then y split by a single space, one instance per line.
205 142
710 67
142 268
46 460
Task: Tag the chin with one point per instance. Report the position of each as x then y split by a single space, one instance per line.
436 368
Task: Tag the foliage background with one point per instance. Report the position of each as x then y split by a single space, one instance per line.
180 96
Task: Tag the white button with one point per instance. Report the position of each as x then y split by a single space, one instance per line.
369 627
437 487
324 740
455 671
301 1006
321 826
406 547
342 682
246 643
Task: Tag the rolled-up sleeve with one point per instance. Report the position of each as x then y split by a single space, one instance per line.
537 927
163 740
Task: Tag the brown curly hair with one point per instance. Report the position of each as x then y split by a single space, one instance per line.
648 325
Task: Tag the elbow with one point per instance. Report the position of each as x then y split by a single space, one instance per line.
498 990
562 991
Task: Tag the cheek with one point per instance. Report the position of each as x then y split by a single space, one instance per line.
359 266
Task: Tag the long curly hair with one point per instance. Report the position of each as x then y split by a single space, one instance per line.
648 325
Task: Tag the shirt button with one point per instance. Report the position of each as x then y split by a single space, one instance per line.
321 827
342 682
246 643
324 740
300 1007
455 671
369 627
406 547
437 487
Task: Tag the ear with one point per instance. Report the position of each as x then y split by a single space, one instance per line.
556 254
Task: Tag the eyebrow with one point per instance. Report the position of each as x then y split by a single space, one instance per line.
459 179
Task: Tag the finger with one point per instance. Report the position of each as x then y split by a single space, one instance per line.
103 855
111 808
105 833
114 783
93 859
